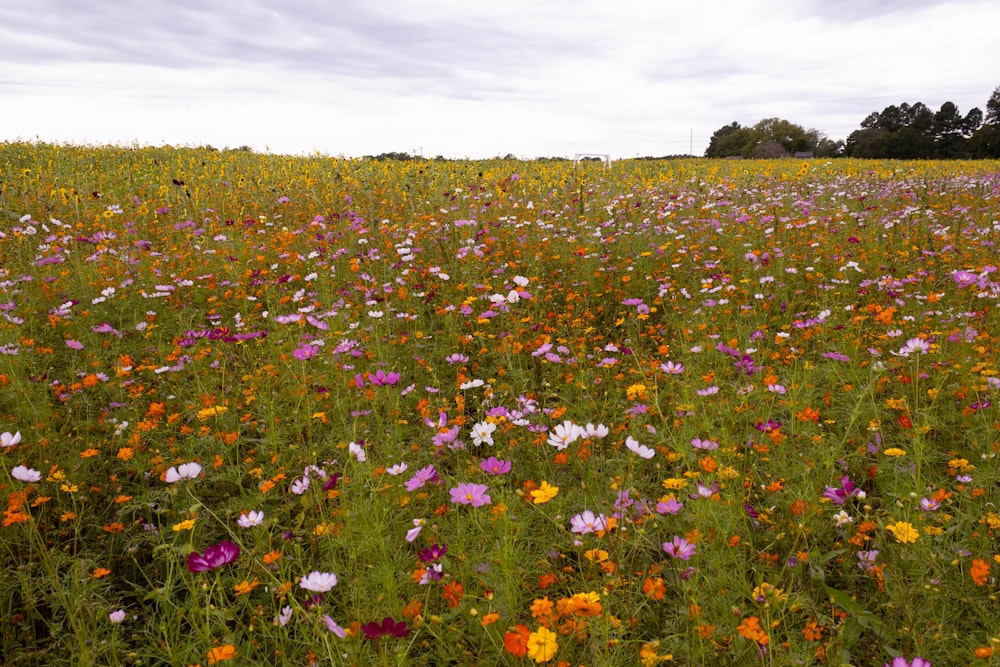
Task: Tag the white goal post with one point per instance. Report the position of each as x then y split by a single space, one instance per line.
606 157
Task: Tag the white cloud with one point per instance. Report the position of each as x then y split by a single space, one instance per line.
476 79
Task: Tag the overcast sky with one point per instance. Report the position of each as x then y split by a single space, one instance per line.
468 78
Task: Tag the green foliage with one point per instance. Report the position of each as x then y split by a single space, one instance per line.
737 337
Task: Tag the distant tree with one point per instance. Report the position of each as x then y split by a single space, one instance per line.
972 121
727 140
733 139
827 147
993 108
868 142
985 143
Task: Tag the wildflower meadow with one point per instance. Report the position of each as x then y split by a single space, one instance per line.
269 410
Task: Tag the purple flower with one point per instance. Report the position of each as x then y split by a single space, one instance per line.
680 548
495 466
215 556
421 477
842 495
468 493
432 553
389 627
698 443
768 426
866 559
836 356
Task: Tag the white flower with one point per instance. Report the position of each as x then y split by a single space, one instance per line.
397 469
300 486
357 451
183 471
521 281
8 440
25 474
483 432
251 519
599 431
842 518
639 449
318 582
564 434
284 616
471 384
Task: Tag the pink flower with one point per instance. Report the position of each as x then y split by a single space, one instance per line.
470 494
495 466
421 477
680 548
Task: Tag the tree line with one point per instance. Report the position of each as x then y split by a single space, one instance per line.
905 131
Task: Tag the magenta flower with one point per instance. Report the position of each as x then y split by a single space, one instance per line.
382 379
495 466
680 548
215 556
389 627
900 661
468 493
842 495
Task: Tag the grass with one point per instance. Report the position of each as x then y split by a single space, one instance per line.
746 409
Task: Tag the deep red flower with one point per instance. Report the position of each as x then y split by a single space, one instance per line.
389 627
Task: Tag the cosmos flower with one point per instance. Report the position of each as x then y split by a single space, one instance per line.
638 449
318 582
680 548
250 519
183 471
215 556
588 522
25 474
468 493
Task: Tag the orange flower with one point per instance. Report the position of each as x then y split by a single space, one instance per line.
245 587
654 588
490 619
808 414
220 653
100 572
453 593
750 629
980 571
516 640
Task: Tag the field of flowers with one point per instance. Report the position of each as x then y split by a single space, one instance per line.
268 410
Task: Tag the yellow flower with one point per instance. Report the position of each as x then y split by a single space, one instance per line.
895 451
544 493
674 484
636 392
597 555
903 531
184 525
211 412
542 644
